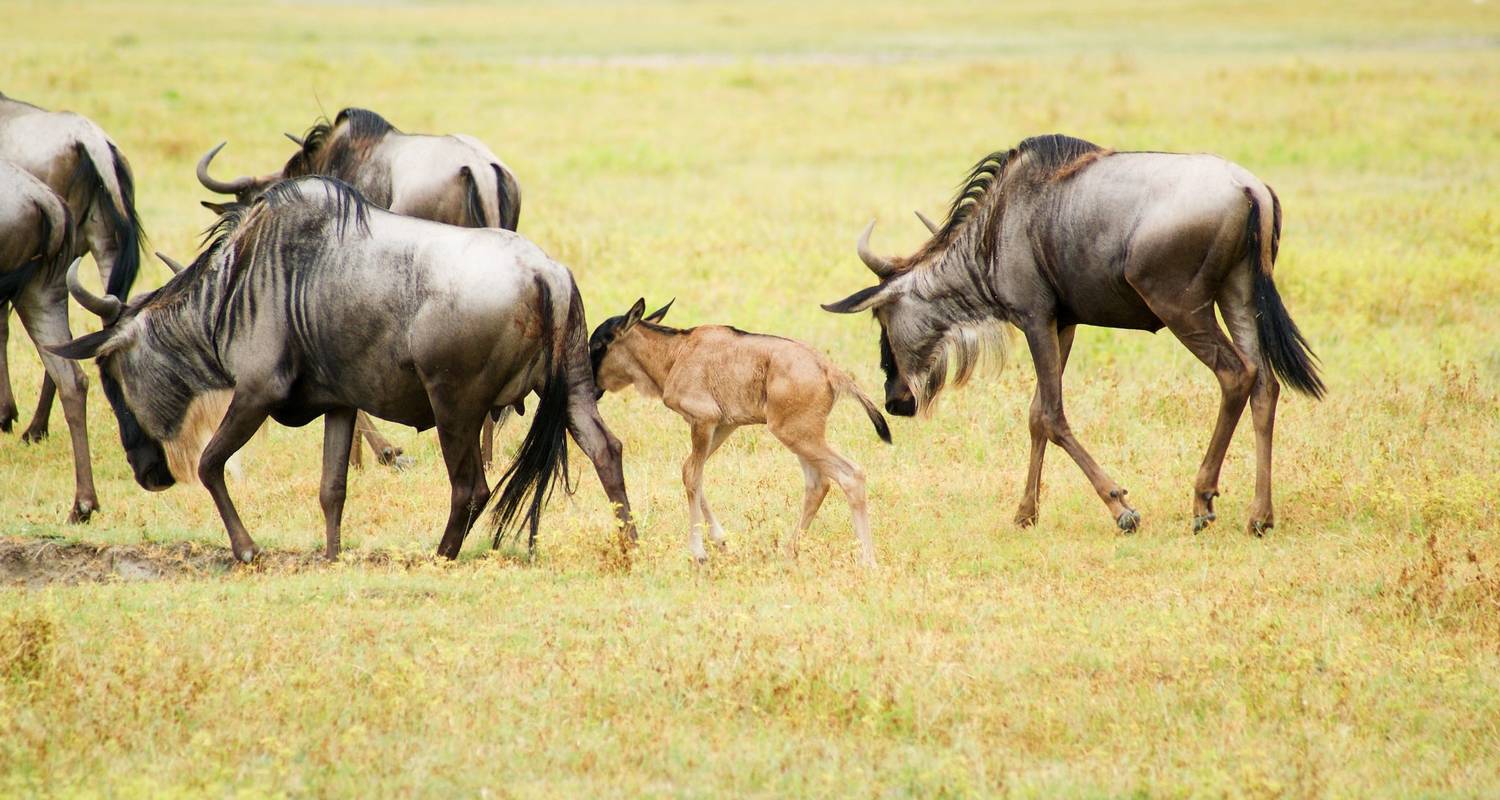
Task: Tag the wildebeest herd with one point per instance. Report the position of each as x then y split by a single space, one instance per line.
380 273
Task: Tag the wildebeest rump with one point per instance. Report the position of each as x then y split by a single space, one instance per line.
36 241
78 161
312 303
454 179
1058 232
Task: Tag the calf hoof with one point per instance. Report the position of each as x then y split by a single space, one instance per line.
1258 528
34 434
1025 518
399 462
82 510
1203 521
699 559
1129 520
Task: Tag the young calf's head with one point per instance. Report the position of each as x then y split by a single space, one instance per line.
614 367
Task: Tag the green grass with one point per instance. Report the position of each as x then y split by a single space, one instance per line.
727 155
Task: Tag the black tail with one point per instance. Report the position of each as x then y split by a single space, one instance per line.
544 452
473 205
843 384
508 199
124 223
1282 345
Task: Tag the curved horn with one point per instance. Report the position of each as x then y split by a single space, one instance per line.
108 308
222 187
932 227
880 266
295 140
171 265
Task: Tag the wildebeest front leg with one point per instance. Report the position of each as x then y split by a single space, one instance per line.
1026 514
602 448
244 418
8 411
1042 339
385 452
338 437
36 430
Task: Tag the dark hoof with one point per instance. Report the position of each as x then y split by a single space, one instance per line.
1202 521
82 511
33 435
248 555
1129 520
1259 528
7 420
402 463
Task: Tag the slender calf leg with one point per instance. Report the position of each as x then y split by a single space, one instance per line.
803 434
604 450
814 489
385 452
715 530
1026 514
1239 315
46 320
36 430
8 411
241 421
338 438
1042 338
692 481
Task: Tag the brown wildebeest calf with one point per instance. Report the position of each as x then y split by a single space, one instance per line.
720 378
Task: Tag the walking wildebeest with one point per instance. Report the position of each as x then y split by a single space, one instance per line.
453 179
1058 232
277 311
79 162
719 379
36 241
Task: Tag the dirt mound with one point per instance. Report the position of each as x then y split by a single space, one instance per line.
31 563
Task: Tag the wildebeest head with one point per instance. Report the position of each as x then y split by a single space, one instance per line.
328 148
921 327
613 370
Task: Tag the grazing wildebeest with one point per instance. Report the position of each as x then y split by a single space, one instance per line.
278 312
1058 232
453 179
36 241
719 379
79 162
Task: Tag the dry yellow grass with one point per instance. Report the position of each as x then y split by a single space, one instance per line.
727 155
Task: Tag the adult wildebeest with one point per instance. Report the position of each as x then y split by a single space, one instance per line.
312 303
720 379
36 241
453 179
1058 232
79 162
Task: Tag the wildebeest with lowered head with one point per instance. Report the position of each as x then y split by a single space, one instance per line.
1058 232
454 179
281 312
77 160
36 241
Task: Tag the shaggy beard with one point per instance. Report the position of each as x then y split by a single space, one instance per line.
967 349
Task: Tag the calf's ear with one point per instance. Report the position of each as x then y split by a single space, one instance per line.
660 313
862 300
634 314
86 346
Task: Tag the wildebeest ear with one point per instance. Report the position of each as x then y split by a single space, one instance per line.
83 347
862 300
660 313
218 208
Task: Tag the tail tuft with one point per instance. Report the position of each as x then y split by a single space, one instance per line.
845 385
1282 344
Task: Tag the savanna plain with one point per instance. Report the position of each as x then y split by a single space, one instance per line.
727 155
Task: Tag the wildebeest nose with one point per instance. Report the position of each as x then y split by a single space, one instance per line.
905 407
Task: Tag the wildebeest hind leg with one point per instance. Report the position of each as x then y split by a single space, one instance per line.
458 435
245 415
8 411
602 448
47 323
1043 340
1239 314
338 436
1026 514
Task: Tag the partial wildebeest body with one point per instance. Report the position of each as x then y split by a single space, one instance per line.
720 379
1057 233
453 179
311 303
79 162
36 241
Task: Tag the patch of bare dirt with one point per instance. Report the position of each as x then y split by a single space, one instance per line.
33 563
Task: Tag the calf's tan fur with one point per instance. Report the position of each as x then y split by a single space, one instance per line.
719 379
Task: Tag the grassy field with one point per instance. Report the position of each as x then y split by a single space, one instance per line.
727 155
